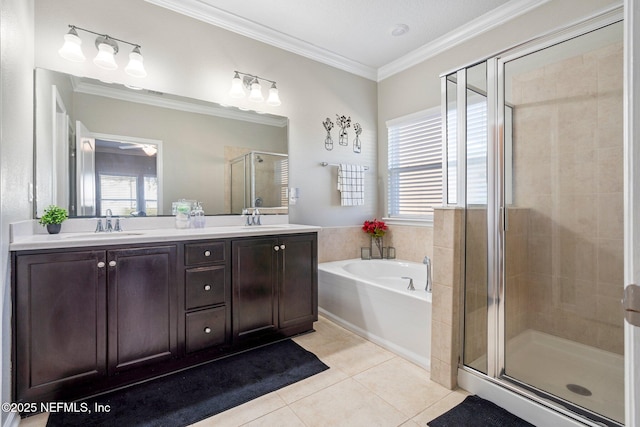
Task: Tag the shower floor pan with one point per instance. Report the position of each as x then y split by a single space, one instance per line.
586 376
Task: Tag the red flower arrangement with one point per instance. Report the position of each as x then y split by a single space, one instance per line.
375 228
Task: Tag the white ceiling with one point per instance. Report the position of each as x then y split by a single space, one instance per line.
355 35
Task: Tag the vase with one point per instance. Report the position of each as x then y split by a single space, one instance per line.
328 142
54 228
343 137
376 247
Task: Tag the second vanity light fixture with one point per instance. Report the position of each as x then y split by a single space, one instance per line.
252 83
107 49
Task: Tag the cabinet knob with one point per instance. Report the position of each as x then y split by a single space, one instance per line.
207 287
276 248
112 263
101 264
207 330
282 247
207 253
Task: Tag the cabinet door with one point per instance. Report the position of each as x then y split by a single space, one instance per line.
60 321
254 280
142 306
298 293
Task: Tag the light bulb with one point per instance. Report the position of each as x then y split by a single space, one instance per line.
274 98
135 67
256 92
105 57
71 50
236 91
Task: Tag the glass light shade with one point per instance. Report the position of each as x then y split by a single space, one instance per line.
105 57
135 67
256 92
237 91
149 150
274 98
71 50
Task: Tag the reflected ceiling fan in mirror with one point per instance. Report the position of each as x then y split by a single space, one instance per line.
149 150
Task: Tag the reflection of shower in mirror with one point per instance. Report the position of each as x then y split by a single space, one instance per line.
259 179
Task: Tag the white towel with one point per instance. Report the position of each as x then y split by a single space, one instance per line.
351 184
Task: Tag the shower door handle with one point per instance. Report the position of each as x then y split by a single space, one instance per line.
631 304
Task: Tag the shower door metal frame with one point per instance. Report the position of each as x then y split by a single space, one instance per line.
497 218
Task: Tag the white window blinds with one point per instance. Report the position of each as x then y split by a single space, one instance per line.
415 165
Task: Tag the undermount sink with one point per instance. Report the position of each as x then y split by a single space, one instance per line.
88 236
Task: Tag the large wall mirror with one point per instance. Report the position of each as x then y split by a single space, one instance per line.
102 146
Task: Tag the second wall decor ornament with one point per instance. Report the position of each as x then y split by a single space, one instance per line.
343 122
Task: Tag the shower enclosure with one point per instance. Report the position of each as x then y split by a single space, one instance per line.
534 153
259 180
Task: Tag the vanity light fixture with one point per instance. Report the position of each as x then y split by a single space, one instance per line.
252 83
107 49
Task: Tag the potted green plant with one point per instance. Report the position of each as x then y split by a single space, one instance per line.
53 218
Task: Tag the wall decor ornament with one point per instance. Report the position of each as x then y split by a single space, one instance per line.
343 123
357 145
328 142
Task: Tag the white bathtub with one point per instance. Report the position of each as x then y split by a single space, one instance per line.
370 298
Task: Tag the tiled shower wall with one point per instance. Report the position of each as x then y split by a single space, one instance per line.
568 183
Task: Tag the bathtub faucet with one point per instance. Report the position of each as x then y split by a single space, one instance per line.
410 287
427 261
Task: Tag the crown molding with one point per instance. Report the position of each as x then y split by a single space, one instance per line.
468 31
214 16
156 100
203 12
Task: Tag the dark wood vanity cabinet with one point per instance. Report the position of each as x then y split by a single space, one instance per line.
90 320
275 285
60 322
141 301
207 296
83 315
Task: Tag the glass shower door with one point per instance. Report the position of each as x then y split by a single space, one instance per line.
563 239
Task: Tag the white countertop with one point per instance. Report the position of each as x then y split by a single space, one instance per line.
77 237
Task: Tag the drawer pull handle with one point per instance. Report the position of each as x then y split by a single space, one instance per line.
207 330
207 287
112 263
282 247
276 248
207 253
101 264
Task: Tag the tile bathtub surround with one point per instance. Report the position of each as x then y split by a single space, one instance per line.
365 385
338 243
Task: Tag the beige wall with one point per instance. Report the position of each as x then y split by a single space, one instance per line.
567 160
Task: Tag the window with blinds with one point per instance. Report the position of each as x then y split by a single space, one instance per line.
118 193
415 165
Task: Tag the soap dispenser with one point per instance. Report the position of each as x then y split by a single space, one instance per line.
199 219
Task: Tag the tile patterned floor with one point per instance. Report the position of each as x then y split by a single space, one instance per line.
366 386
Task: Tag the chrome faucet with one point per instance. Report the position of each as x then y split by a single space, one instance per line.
256 217
427 261
108 227
410 287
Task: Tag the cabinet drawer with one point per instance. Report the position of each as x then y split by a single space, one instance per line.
205 286
204 253
206 328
